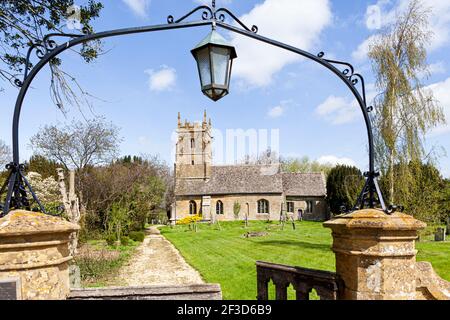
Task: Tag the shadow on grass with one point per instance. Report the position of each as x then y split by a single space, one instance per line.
295 244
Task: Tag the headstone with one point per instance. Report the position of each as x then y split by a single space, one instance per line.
440 234
75 276
10 289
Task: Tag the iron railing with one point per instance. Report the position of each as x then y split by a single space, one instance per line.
328 285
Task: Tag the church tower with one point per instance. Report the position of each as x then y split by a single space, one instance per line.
193 157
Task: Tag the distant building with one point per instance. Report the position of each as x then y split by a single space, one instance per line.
263 192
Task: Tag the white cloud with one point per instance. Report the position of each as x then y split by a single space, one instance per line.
298 23
276 112
334 160
280 109
441 92
162 80
434 68
360 54
139 7
338 110
384 13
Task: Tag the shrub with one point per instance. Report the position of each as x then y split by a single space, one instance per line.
137 236
344 184
124 240
111 239
190 219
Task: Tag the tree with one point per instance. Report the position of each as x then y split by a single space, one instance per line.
137 188
444 202
26 22
422 197
5 155
79 144
47 191
45 167
267 157
344 183
304 165
405 110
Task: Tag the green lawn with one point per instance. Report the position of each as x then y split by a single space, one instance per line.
226 257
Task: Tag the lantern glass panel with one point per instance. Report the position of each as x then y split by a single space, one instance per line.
204 66
220 58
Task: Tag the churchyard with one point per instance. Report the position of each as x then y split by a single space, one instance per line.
225 256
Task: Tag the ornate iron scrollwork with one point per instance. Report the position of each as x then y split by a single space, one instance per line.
211 13
349 73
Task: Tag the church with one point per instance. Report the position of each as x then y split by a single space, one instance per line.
260 192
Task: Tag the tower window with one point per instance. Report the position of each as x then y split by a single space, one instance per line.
193 162
192 143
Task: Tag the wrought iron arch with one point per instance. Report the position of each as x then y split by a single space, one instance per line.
17 186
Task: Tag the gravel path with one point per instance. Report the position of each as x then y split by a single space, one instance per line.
157 262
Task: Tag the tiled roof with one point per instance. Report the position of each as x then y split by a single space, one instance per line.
304 184
252 179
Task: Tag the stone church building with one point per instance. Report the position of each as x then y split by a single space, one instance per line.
263 192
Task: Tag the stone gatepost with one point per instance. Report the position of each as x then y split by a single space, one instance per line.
375 254
34 256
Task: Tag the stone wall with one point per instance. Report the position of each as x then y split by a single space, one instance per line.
250 203
188 292
320 208
182 206
34 249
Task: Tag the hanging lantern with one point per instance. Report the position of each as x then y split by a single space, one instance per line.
214 56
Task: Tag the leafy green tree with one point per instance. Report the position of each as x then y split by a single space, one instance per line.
304 165
405 111
445 200
423 193
344 184
24 22
45 167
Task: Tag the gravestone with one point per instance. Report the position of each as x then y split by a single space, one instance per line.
74 276
440 234
10 289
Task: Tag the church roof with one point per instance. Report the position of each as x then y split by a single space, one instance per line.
304 184
252 179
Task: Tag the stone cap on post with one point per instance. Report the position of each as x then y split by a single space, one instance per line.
34 253
372 220
375 254
21 222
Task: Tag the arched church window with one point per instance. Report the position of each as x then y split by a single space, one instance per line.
192 143
219 207
263 206
192 207
309 206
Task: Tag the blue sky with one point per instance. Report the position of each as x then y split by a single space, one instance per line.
145 80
